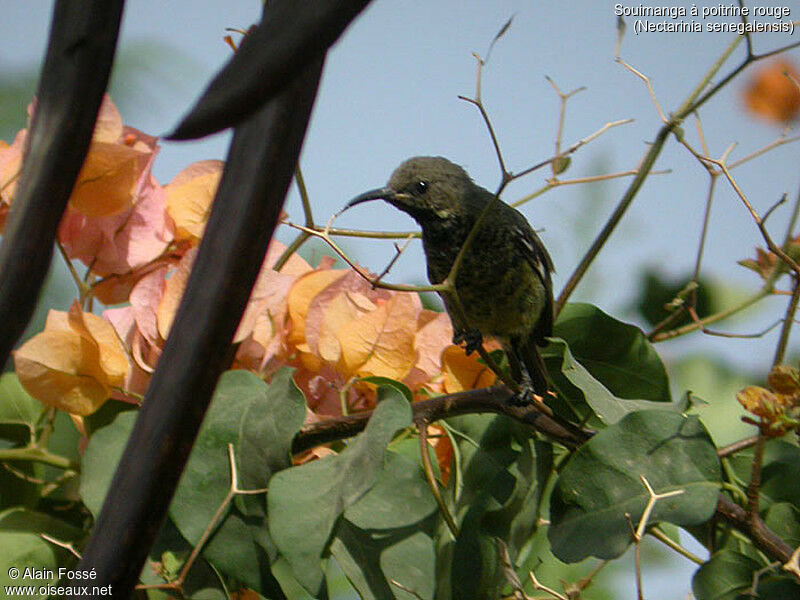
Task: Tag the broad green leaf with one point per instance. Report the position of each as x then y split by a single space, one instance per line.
101 458
374 559
475 571
780 472
19 415
784 519
401 387
238 545
608 407
386 535
16 405
615 353
244 412
503 477
167 557
729 575
305 502
399 498
725 577
266 430
601 483
22 546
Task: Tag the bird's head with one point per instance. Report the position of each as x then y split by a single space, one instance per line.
429 188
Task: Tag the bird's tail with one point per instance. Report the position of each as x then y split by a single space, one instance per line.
527 366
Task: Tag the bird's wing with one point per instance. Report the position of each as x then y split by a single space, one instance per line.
537 256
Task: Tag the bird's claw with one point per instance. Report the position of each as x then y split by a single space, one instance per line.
473 339
526 396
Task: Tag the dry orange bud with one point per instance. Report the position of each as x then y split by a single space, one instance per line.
784 379
758 401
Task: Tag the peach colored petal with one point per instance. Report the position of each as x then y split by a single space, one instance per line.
143 355
73 364
381 342
109 122
462 372
434 335
112 361
173 291
10 165
302 295
145 299
107 183
347 298
295 266
121 243
189 198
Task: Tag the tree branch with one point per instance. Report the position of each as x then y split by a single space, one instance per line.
492 399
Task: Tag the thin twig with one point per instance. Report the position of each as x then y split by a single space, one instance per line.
737 446
388 286
68 546
759 222
562 109
233 491
670 543
427 467
360 233
755 477
646 81
398 251
689 105
788 321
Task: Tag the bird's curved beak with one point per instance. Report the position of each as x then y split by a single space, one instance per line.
384 193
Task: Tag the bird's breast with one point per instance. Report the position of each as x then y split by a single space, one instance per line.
500 294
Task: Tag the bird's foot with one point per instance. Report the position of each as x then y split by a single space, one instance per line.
527 396
473 339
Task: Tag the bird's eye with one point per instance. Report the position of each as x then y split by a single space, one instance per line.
421 187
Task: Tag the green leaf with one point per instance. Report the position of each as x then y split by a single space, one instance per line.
167 557
16 405
101 458
729 575
608 407
305 502
504 470
780 472
387 535
475 570
373 561
19 418
245 411
266 430
401 387
22 546
260 419
784 519
601 483
724 577
400 497
615 353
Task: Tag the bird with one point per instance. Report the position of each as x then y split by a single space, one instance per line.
503 284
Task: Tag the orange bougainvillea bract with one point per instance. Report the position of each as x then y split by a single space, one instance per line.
138 240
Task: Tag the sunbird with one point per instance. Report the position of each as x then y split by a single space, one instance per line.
503 284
